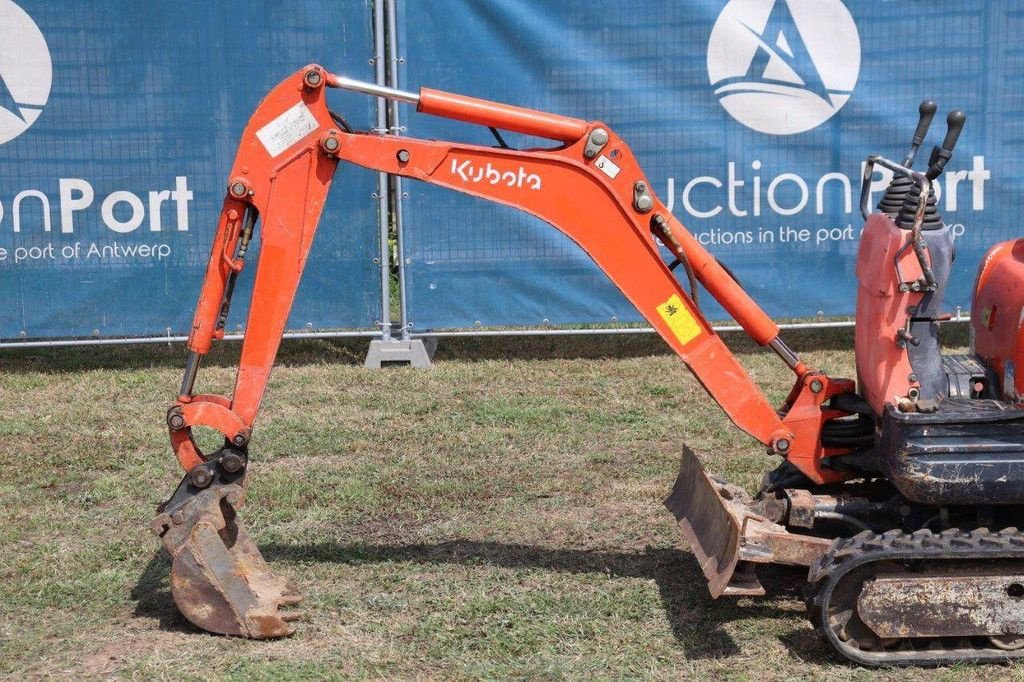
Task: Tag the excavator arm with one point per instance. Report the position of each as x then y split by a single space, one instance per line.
589 186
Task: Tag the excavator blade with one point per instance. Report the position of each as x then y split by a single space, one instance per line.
711 529
219 579
728 533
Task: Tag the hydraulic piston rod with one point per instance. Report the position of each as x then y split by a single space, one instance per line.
345 83
473 110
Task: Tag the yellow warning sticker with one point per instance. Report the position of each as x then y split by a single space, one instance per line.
679 319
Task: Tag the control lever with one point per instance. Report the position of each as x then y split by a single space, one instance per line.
940 155
903 337
927 111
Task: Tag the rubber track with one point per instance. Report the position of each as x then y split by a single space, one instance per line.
847 554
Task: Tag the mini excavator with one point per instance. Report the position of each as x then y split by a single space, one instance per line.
901 492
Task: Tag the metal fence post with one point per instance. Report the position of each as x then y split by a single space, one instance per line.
388 349
394 61
380 77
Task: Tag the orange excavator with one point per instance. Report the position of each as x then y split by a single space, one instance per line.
900 491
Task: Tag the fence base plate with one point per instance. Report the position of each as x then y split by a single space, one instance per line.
414 352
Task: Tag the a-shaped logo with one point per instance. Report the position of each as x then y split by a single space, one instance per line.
26 72
784 66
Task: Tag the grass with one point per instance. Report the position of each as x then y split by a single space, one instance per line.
496 516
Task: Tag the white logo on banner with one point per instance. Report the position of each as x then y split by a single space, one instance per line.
784 66
26 71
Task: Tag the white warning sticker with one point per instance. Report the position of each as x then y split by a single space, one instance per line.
287 129
607 166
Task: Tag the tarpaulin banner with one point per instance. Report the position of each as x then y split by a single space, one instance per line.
751 118
119 121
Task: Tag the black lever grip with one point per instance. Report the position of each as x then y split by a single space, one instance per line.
940 155
955 122
927 113
927 110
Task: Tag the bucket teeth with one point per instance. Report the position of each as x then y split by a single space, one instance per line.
219 579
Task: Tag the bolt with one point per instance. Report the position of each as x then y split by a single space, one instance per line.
912 377
201 477
240 439
237 189
178 518
642 199
1011 629
598 139
331 144
782 445
232 463
313 78
816 386
403 156
176 421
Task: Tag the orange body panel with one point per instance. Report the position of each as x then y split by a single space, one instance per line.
806 418
591 204
884 260
997 317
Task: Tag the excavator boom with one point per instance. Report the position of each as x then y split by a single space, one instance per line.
589 186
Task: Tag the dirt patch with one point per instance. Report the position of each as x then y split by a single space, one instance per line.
107 660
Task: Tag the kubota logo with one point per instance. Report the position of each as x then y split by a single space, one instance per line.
784 66
26 71
469 172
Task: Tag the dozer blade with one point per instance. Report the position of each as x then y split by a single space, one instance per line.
728 536
219 579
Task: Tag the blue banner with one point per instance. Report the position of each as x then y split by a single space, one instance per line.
751 118
119 121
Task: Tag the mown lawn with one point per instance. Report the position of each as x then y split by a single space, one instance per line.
496 516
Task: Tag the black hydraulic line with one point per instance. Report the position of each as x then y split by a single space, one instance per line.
499 138
248 223
729 272
340 120
661 229
839 517
690 277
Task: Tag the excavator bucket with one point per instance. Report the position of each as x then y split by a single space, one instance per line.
219 579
